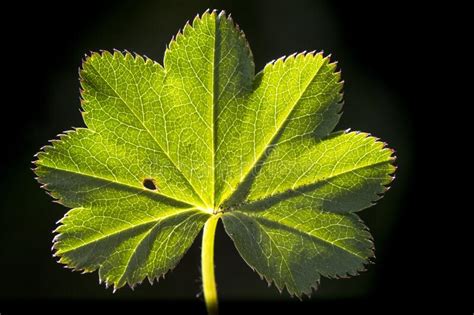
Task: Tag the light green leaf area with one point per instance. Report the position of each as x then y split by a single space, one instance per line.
300 224
167 147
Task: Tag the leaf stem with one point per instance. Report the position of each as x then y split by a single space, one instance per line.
207 265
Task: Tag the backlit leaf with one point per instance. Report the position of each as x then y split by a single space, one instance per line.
168 146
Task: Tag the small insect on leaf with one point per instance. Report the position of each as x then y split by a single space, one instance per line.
149 183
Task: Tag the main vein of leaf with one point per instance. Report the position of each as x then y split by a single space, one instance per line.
149 132
334 175
321 180
140 189
319 237
248 172
297 231
214 108
140 241
156 221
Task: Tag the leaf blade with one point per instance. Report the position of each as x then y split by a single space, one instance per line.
306 224
295 258
287 98
209 79
144 250
111 224
114 114
296 166
168 146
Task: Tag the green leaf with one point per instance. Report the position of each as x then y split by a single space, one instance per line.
166 148
298 221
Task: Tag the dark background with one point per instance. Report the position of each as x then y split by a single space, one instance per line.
376 46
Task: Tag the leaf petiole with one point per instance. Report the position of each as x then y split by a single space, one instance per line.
207 264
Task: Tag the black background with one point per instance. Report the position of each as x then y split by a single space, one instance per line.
377 46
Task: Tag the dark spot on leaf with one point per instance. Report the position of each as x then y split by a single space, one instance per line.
149 183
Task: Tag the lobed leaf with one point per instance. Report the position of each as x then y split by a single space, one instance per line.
167 147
